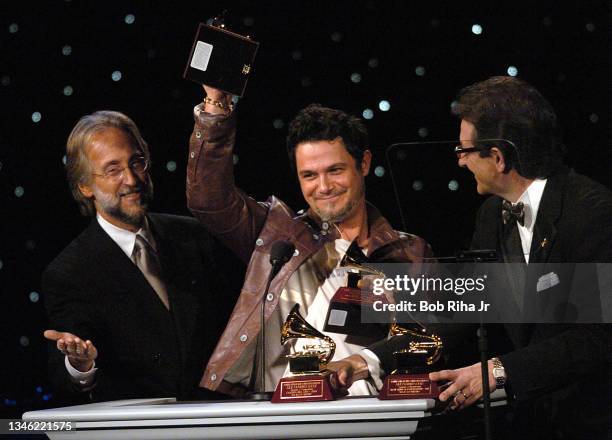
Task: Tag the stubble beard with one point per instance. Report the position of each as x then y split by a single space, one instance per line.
338 217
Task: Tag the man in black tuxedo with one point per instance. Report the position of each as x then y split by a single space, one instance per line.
129 300
540 216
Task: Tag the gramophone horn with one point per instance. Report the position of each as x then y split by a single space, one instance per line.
296 326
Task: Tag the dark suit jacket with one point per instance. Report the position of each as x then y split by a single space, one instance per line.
92 289
559 374
562 371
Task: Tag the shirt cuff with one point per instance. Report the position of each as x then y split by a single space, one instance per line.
81 379
373 366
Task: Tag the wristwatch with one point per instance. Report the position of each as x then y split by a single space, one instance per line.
499 373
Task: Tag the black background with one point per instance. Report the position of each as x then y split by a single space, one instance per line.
560 47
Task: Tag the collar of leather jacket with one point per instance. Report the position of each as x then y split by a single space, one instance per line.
380 232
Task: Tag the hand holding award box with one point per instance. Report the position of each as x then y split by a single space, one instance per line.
220 58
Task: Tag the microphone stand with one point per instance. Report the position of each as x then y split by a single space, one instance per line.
261 394
479 256
280 253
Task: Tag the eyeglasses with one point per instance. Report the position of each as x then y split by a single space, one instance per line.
461 150
138 165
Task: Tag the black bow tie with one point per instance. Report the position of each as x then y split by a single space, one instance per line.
512 213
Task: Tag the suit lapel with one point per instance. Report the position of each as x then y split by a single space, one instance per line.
545 231
542 243
181 264
124 280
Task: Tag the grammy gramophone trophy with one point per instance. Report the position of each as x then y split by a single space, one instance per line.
345 307
220 58
308 379
410 379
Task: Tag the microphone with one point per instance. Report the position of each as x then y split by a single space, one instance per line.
280 253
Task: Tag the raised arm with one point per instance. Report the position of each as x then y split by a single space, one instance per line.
235 218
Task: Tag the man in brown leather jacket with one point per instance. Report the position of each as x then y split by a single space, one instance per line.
328 150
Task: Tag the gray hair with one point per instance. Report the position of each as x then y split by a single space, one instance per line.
78 168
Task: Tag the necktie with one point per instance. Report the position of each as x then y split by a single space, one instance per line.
146 260
513 213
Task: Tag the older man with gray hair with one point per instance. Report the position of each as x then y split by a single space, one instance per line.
128 299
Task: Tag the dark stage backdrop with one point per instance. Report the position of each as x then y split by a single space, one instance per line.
398 64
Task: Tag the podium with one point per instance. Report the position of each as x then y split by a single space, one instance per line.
361 417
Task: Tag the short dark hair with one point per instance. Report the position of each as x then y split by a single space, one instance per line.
318 123
505 107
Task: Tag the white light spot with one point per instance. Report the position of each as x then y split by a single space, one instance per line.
417 185
6 80
590 27
66 50
594 118
171 166
36 117
453 104
116 75
129 19
235 159
34 296
296 55
19 191
373 63
379 171
512 71
24 341
356 77
453 185
68 90
423 132
278 123
64 159
13 28
248 21
306 82
384 105
420 71
336 37
476 29
368 113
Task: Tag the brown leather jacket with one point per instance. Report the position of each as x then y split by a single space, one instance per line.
249 228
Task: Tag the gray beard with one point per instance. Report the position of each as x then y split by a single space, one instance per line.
130 219
114 209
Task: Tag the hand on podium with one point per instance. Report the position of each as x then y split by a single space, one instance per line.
466 384
346 371
81 354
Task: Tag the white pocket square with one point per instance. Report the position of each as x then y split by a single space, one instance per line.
547 281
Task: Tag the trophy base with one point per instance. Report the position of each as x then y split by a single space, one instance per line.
307 387
408 386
